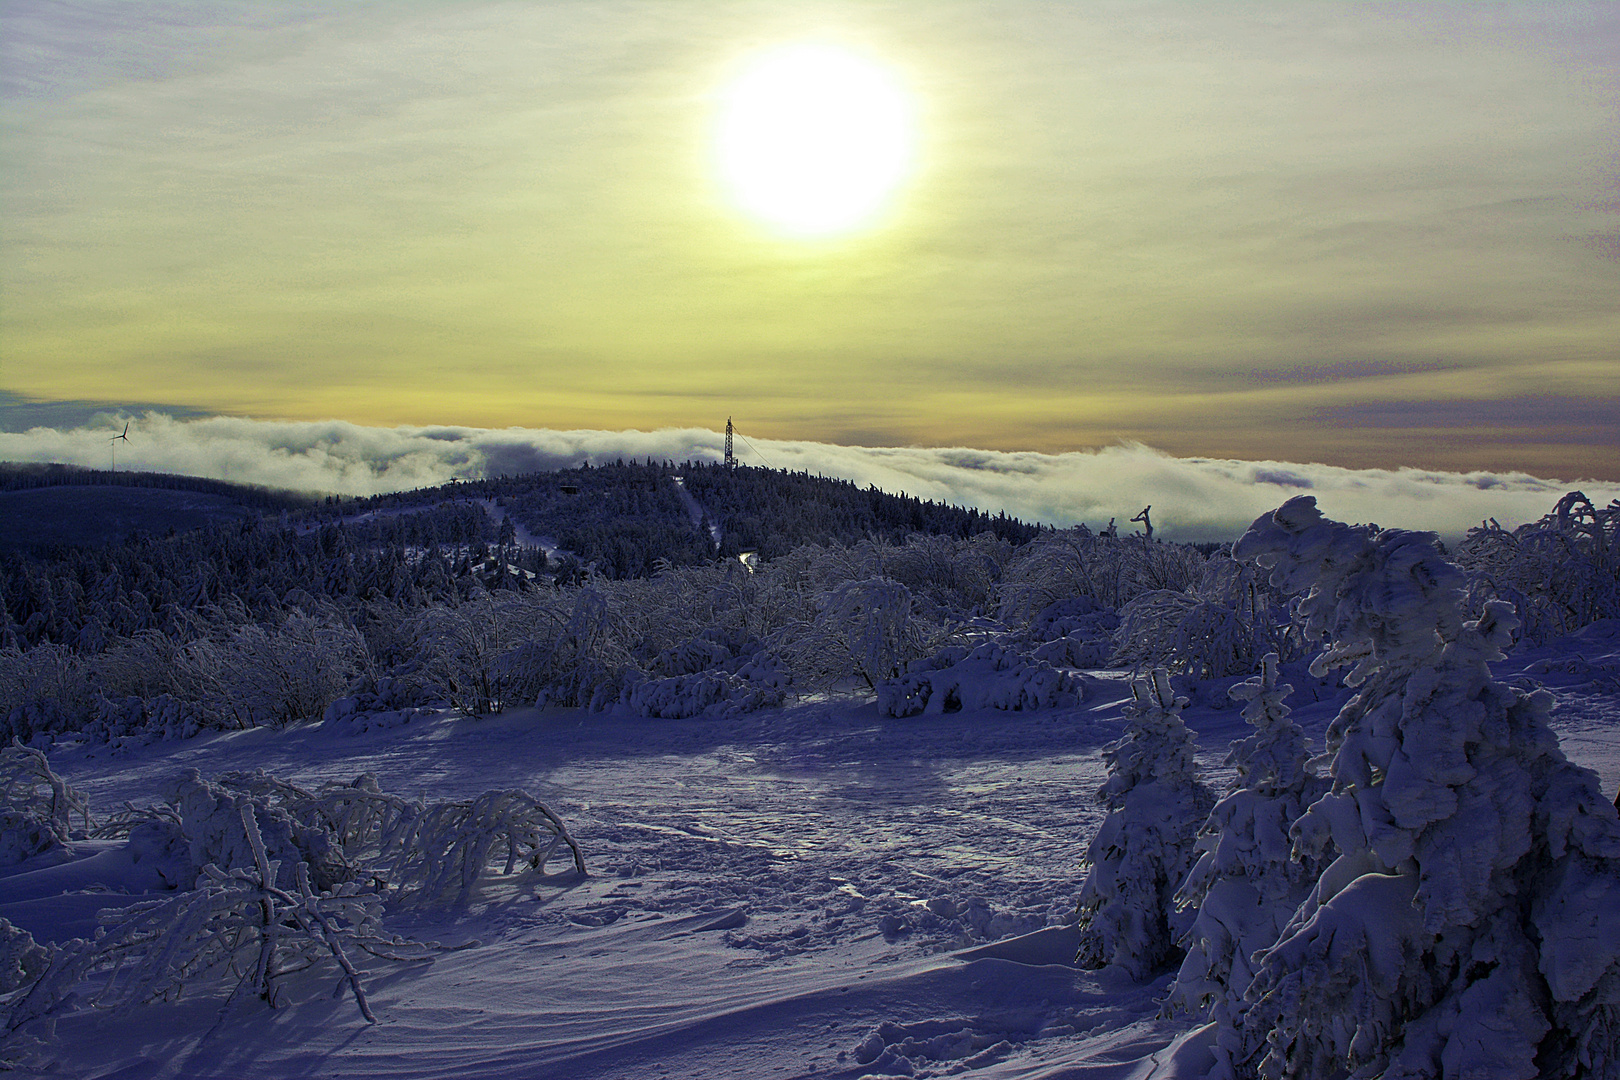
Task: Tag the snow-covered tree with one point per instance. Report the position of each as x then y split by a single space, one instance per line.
1469 922
1144 849
1248 882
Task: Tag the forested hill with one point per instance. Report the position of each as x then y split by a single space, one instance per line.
625 517
425 546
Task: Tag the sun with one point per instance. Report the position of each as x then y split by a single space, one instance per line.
814 140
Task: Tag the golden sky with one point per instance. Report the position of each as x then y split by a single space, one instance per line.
1360 234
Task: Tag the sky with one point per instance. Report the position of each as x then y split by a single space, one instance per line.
1358 236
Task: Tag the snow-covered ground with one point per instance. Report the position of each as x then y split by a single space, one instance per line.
808 891
697 513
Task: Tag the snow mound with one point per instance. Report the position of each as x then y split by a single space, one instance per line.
994 675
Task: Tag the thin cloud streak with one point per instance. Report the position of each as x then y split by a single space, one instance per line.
1192 498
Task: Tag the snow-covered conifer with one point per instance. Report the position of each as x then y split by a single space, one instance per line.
1247 882
1144 849
1469 924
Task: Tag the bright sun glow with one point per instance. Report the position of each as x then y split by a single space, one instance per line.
814 140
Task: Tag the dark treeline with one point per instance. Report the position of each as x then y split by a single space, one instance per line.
773 512
87 597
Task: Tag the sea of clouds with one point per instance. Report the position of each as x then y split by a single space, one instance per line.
1192 498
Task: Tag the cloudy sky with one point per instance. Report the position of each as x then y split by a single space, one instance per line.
1378 235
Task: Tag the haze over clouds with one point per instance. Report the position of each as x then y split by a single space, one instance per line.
1192 498
1375 234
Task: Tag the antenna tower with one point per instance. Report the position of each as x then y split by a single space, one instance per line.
731 459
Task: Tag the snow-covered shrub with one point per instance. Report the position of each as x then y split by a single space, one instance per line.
947 573
36 805
1145 847
243 922
867 628
345 832
1107 573
468 651
378 704
1561 573
149 664
702 693
993 675
138 721
578 658
439 852
1248 881
1219 627
271 879
1076 632
230 675
44 691
278 674
720 672
1469 924
869 623
211 816
701 653
1061 565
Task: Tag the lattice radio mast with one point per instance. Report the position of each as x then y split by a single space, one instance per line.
731 459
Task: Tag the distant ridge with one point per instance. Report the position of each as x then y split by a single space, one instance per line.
50 505
29 475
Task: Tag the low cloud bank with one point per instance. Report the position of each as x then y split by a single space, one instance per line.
1192 498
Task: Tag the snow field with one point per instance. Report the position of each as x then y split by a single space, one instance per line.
811 891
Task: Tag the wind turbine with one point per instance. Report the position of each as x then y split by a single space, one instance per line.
112 445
